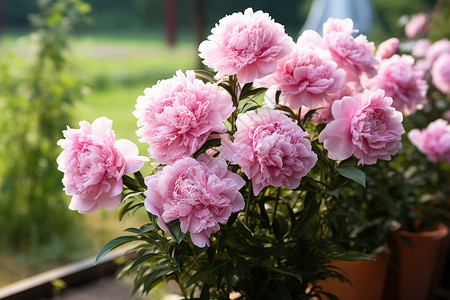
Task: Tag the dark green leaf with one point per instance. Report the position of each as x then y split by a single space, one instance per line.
334 193
140 179
354 256
290 272
207 145
114 244
354 174
255 92
282 291
204 295
202 272
137 264
203 74
277 97
247 87
130 183
146 228
244 231
133 230
154 278
175 230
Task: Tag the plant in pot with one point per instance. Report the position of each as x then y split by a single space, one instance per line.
245 195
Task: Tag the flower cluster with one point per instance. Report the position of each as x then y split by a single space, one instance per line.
229 147
434 140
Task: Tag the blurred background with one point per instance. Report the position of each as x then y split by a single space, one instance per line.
62 61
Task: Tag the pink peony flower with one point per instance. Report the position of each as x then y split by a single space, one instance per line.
247 44
421 47
93 163
387 48
324 114
354 55
398 77
178 115
270 148
417 25
305 77
365 126
440 73
434 141
437 49
200 193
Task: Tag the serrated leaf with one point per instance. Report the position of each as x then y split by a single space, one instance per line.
175 230
112 245
354 174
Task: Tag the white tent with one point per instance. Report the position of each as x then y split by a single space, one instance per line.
360 11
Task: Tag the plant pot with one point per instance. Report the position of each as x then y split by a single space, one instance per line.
415 267
367 279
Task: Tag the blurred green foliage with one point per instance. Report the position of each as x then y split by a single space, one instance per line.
149 15
36 99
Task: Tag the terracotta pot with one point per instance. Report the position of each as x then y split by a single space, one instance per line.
412 278
367 279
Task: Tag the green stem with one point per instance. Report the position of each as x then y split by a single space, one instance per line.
276 204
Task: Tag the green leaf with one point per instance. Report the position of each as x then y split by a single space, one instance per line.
146 228
132 230
207 145
203 74
354 256
175 230
290 272
154 277
244 231
204 295
204 270
137 264
354 174
334 193
140 179
114 244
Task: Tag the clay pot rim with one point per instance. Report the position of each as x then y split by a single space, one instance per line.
441 230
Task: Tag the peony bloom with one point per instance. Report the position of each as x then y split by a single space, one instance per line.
178 115
440 73
354 55
437 49
417 25
270 148
387 48
398 77
247 44
421 47
200 193
93 163
365 126
305 77
434 141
